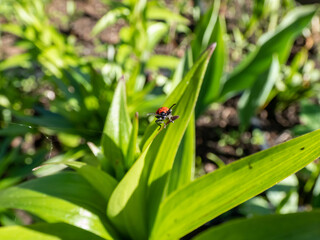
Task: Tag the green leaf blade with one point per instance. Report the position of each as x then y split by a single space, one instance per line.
294 226
211 28
133 149
45 231
127 205
100 180
217 192
183 167
50 198
256 96
163 150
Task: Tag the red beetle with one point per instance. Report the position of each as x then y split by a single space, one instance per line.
163 110
164 113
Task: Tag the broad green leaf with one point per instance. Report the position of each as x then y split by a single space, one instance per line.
213 194
296 226
117 129
54 165
163 149
100 180
64 197
127 205
46 231
257 95
129 198
183 167
278 42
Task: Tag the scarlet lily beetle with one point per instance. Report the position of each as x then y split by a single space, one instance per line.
164 113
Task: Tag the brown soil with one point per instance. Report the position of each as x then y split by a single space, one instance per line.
223 120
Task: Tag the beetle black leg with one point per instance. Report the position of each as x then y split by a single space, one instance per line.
169 118
172 106
158 122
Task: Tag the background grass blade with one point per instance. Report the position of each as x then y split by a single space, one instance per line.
65 197
295 226
46 231
217 192
279 42
110 18
256 96
156 31
154 12
211 28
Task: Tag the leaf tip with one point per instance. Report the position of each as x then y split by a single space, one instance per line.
122 79
212 47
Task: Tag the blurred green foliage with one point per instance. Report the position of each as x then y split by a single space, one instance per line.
59 105
104 199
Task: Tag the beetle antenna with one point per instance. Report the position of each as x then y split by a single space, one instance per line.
172 106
